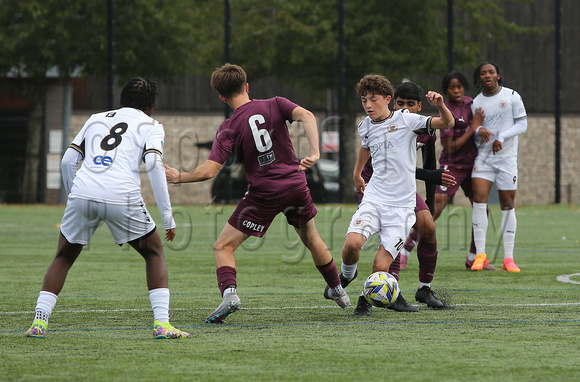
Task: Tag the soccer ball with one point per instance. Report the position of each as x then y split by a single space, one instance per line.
381 289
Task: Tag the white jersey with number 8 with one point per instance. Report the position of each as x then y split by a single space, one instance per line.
113 145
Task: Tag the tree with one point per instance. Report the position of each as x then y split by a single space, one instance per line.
294 41
153 38
297 41
400 39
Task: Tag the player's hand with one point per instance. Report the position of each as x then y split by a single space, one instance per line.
172 175
434 98
447 179
485 134
478 118
307 162
497 146
169 234
359 184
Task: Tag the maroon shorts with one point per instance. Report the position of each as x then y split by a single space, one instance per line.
421 205
254 215
462 178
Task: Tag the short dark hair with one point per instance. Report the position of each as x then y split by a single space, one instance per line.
374 84
409 90
139 93
451 75
229 80
477 70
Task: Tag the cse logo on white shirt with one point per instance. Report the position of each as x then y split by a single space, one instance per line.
109 142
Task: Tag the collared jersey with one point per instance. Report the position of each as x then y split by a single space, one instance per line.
392 143
113 145
501 110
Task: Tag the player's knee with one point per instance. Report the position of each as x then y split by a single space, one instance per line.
219 247
427 231
507 205
351 248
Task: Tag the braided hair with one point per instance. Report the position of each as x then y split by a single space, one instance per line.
477 81
139 93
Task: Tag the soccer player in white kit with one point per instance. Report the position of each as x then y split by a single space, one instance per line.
497 160
388 204
112 147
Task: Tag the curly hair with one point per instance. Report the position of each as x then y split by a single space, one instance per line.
139 93
374 84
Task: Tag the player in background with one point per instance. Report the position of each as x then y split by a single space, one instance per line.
457 156
387 207
497 159
258 135
459 149
107 187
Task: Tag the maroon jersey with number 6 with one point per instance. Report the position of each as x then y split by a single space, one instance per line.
257 134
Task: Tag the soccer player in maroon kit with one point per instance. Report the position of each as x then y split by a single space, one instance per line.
257 134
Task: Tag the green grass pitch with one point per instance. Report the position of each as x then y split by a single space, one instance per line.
499 326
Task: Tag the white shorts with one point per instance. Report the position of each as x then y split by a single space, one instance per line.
501 171
126 222
393 224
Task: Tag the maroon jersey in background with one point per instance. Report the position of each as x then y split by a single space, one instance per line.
257 134
465 156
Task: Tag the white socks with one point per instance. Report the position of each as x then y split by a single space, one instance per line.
509 225
348 271
479 226
44 305
160 303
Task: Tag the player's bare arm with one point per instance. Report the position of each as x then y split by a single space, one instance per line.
446 119
477 125
308 120
206 171
451 144
361 160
